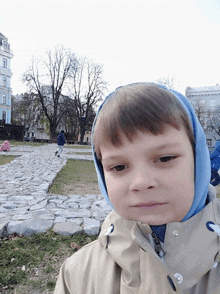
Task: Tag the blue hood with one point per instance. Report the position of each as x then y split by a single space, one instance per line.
202 164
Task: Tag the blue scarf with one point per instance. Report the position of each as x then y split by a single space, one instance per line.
202 165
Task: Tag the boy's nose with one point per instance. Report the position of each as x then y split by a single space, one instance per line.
143 180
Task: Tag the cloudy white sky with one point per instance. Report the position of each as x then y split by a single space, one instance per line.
134 40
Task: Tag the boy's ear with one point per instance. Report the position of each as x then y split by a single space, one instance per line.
98 156
100 163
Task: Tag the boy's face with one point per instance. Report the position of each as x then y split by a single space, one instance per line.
151 179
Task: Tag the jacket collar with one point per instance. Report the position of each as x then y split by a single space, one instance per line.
181 259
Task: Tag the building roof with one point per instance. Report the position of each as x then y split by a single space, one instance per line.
3 37
203 89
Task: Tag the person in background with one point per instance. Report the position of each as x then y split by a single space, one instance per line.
5 146
60 142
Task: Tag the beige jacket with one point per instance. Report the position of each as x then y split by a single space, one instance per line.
125 261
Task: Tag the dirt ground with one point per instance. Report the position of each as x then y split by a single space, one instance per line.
81 189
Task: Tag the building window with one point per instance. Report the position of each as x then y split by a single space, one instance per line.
4 82
5 45
4 99
4 62
209 142
212 103
4 115
209 130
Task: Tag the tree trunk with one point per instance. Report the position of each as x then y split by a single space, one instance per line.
53 133
82 133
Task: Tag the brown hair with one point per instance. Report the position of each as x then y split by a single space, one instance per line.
138 107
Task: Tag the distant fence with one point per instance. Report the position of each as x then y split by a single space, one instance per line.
11 132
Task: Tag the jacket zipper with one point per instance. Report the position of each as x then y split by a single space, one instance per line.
157 245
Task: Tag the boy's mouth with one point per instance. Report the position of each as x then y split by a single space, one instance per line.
150 204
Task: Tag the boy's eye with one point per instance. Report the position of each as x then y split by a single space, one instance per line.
167 158
119 167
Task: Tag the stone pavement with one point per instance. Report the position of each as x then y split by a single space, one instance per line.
26 207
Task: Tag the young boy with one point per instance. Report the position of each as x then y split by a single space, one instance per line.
153 168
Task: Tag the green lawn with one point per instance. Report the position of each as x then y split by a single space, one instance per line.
80 153
33 263
75 171
21 143
6 158
78 146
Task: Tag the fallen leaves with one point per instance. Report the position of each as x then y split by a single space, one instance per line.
74 245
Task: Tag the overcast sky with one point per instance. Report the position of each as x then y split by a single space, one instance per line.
136 41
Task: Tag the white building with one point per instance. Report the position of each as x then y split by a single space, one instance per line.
208 95
206 100
5 79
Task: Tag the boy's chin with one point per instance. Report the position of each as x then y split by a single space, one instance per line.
152 220
154 223
160 219
148 221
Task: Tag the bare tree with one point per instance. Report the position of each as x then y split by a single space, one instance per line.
170 82
16 116
213 120
86 90
69 120
26 110
46 78
201 110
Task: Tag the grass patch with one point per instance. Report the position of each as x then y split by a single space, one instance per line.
28 263
75 171
24 143
6 159
78 146
79 153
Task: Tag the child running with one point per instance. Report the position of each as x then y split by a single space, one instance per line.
60 142
153 169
